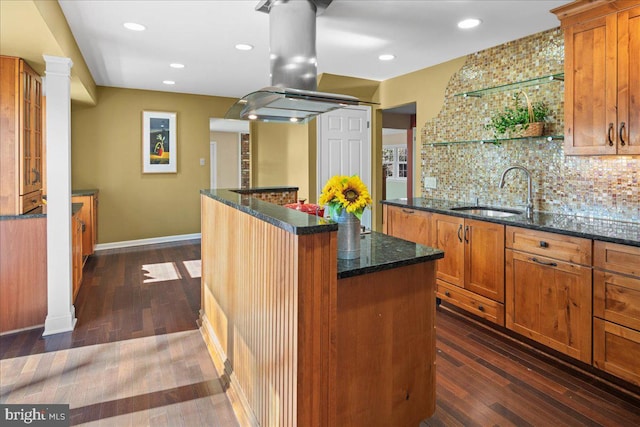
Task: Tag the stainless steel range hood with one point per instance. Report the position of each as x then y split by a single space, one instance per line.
292 97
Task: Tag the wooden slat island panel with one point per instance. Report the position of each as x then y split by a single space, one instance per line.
269 300
305 339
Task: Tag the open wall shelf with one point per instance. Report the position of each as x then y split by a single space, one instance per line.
512 86
500 140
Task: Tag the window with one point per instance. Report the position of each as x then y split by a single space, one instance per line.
394 159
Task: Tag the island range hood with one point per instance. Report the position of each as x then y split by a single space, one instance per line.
292 96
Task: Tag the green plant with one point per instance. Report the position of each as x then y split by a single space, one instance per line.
518 117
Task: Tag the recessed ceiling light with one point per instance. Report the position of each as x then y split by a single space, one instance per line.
469 23
244 46
168 82
176 65
293 119
252 117
386 57
134 27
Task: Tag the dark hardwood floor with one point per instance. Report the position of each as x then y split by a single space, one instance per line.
144 299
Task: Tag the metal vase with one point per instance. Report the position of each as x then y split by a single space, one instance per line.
348 235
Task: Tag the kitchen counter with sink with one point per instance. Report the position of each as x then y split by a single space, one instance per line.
606 230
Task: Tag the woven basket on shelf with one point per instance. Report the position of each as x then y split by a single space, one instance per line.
534 128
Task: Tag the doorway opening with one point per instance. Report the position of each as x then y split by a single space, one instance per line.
398 148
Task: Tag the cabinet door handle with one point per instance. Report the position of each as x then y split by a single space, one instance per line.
460 233
609 134
549 264
466 234
621 133
407 211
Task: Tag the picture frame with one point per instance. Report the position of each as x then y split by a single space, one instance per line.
159 142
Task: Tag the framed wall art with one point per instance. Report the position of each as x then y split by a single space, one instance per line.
159 145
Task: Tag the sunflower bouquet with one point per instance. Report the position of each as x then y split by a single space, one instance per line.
345 192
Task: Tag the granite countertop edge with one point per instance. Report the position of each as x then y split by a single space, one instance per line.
607 230
290 220
75 207
85 192
380 252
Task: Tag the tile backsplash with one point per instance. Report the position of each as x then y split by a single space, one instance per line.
599 186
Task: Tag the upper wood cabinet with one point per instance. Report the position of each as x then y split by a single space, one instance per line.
21 137
602 77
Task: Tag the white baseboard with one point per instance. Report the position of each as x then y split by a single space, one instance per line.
149 241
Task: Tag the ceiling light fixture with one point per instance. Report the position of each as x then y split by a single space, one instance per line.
176 65
168 82
386 57
244 46
469 23
252 117
134 27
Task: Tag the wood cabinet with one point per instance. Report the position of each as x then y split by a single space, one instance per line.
616 310
23 273
473 262
408 224
21 137
548 296
602 79
89 217
76 251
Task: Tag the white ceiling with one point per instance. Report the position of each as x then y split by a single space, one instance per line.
350 36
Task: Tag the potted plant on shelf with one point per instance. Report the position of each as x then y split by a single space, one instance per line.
519 121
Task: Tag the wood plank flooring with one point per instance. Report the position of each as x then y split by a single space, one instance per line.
136 358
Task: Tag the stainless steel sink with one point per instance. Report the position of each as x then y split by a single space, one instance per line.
486 211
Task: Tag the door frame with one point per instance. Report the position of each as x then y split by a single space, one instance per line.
213 164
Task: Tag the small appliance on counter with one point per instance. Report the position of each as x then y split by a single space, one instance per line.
309 208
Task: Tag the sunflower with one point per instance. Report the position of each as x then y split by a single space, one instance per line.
344 192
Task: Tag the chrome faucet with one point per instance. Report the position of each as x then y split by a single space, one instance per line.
529 209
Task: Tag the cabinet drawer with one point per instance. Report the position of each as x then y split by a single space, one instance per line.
409 224
30 201
616 349
557 246
469 301
614 257
616 298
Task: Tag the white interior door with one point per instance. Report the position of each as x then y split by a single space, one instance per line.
344 147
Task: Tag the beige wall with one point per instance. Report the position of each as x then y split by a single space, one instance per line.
426 88
107 155
280 156
228 159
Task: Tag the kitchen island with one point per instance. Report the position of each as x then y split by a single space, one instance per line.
305 339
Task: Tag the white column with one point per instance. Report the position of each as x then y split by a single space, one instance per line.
61 316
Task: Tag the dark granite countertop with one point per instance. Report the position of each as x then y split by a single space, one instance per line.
380 252
291 220
607 230
254 190
75 207
87 192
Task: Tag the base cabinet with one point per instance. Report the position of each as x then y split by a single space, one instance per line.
408 224
89 217
616 310
76 252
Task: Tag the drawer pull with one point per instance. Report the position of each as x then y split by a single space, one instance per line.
481 307
408 211
460 233
34 200
447 293
544 244
549 264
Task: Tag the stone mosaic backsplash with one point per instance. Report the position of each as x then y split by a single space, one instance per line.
598 186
